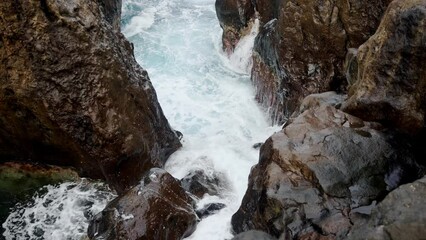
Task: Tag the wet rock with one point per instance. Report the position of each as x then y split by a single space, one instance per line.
399 216
391 73
257 145
16 178
157 208
311 175
253 235
111 10
301 50
209 209
72 93
267 9
234 17
198 183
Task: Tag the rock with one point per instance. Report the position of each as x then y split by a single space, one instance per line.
320 99
253 235
399 216
17 178
209 209
302 49
72 93
234 17
111 10
267 9
157 208
391 73
351 66
199 183
322 166
257 145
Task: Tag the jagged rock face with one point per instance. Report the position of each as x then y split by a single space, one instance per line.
323 166
399 216
302 50
234 17
391 73
72 94
111 10
198 183
157 208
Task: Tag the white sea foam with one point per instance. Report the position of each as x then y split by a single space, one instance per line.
205 95
58 212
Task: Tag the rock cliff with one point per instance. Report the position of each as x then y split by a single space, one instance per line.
72 93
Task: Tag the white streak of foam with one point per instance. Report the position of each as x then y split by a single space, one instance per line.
241 59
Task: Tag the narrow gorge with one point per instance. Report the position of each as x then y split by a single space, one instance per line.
212 119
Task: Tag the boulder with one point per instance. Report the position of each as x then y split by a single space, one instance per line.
253 235
157 208
401 215
391 74
72 93
234 17
302 48
324 165
209 209
199 183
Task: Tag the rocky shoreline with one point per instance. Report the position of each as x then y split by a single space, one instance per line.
346 77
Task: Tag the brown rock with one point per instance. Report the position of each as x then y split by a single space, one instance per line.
318 169
157 208
391 73
303 50
111 10
72 94
234 17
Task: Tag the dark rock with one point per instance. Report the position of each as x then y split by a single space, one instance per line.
234 17
351 66
253 235
301 50
313 173
257 145
111 10
72 94
199 183
391 73
401 215
209 209
267 9
157 208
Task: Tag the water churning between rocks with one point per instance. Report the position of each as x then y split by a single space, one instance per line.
204 94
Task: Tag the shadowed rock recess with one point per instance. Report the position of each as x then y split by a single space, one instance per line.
72 93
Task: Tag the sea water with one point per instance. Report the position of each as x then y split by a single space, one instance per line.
204 93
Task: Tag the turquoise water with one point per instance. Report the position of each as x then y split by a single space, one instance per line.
204 94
